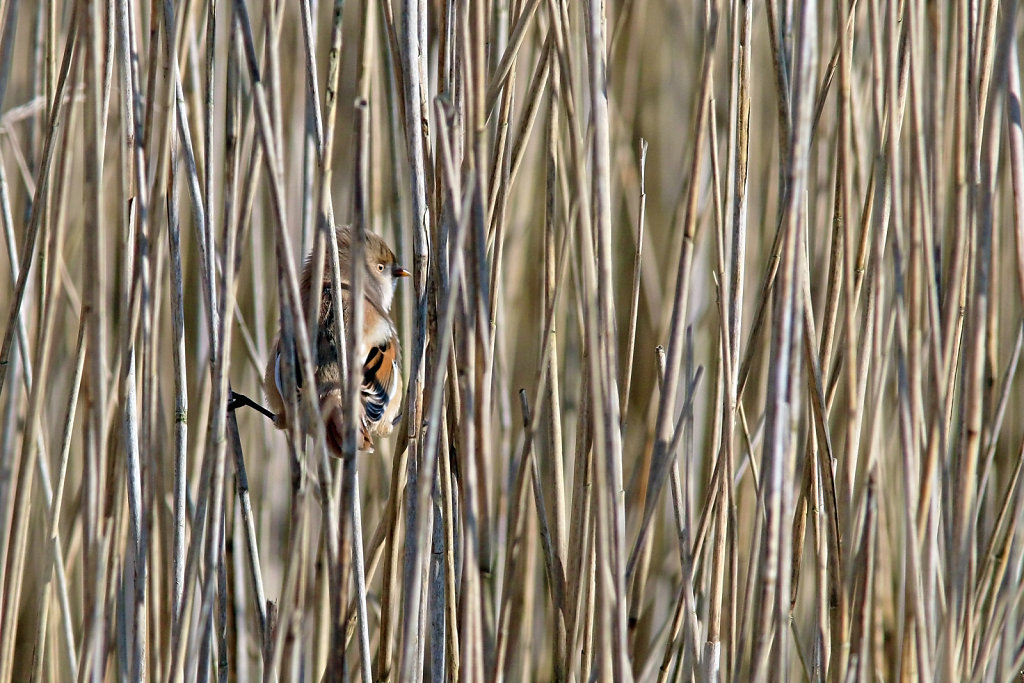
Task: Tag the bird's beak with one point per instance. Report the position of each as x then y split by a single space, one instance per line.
399 271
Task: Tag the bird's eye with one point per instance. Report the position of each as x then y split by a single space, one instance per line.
380 267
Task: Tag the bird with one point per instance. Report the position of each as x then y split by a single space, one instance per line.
381 384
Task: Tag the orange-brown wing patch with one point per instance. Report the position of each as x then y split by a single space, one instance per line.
379 374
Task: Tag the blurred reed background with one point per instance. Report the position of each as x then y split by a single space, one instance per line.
711 346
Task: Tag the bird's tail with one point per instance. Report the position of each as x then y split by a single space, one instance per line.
333 411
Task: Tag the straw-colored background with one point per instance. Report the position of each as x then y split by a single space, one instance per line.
823 485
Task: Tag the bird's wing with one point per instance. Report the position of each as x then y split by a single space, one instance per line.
380 380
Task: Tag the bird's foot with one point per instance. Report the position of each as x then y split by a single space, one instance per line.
237 400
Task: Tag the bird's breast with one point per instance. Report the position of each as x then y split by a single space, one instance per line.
376 331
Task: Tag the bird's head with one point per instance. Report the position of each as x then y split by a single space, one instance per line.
382 269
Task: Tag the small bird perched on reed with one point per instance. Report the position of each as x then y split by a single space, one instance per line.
381 385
